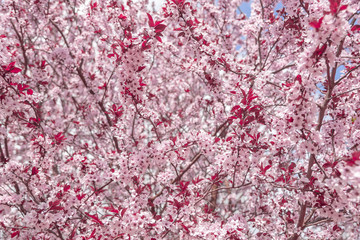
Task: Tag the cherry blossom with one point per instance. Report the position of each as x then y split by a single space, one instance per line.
191 121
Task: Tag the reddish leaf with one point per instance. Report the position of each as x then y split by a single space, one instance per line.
151 21
160 28
29 92
316 24
355 156
235 108
158 22
14 234
141 82
336 228
59 138
112 209
140 68
95 218
334 6
122 17
66 188
343 7
123 212
280 179
10 66
355 28
291 167
267 168
217 139
196 180
15 70
93 5
182 34
319 52
144 46
173 139
158 38
34 171
54 206
186 228
80 196
92 234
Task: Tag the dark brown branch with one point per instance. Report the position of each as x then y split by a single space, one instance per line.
193 161
100 103
97 190
62 35
338 95
268 54
58 230
29 190
302 5
283 68
259 46
132 128
149 119
323 108
347 74
21 40
178 178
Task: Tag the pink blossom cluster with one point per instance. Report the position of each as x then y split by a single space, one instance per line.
193 121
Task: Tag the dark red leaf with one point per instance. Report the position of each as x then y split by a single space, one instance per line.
316 24
95 218
112 209
122 17
334 6
267 168
34 171
54 206
123 212
160 28
10 66
319 52
158 38
355 28
291 167
80 196
151 21
144 46
15 70
140 68
66 188
158 22
343 7
186 228
14 234
235 108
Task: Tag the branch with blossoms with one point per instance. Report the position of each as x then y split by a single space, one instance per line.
194 120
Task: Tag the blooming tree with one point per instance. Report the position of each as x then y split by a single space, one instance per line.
195 121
